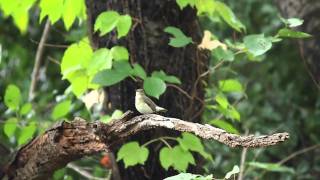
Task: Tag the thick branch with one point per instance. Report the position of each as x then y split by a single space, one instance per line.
68 141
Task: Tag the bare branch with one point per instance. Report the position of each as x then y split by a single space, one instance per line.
36 67
68 141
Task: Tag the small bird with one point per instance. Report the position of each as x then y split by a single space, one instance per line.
145 105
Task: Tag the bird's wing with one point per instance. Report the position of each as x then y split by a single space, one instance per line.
150 103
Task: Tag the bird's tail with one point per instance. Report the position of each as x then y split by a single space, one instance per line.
161 109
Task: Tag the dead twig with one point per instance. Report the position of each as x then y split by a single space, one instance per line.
37 63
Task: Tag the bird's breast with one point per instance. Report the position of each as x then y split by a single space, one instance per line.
142 107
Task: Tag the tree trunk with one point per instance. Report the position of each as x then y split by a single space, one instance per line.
148 45
309 11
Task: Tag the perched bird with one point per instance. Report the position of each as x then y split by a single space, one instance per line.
145 105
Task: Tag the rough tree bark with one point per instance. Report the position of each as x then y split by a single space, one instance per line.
309 11
148 46
68 141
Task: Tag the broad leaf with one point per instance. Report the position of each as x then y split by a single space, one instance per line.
27 133
77 56
274 167
257 44
109 77
10 127
221 54
176 157
72 9
189 176
179 39
183 3
106 21
234 171
193 143
292 22
165 157
139 71
227 15
123 25
61 110
125 153
154 86
120 53
181 159
12 97
224 125
51 8
162 75
25 109
288 33
230 85
101 59
222 101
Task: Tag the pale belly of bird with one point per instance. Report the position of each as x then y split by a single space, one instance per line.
143 108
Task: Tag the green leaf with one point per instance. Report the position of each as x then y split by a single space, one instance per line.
139 157
292 22
8 7
154 86
179 39
139 71
123 25
79 64
59 174
27 133
109 77
77 56
181 159
106 119
233 113
19 12
165 158
193 143
12 97
205 7
123 66
10 127
120 53
184 3
221 54
273 167
189 176
234 171
162 75
72 9
257 44
228 16
224 125
288 33
101 59
61 110
116 114
106 21
222 101
51 8
25 109
79 82
230 85
21 19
